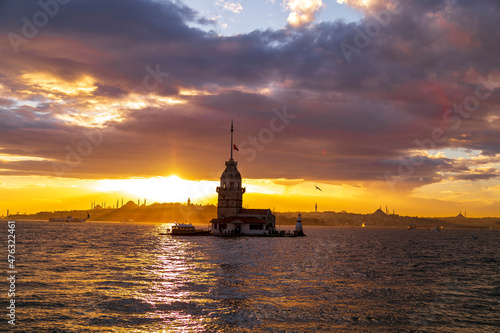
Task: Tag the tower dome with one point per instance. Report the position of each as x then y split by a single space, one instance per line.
231 171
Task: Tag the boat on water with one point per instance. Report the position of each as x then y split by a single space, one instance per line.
185 229
68 218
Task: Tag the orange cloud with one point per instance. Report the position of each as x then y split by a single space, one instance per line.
303 12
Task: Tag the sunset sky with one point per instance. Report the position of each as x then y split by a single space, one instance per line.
375 102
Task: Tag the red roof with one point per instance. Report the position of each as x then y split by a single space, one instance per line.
232 219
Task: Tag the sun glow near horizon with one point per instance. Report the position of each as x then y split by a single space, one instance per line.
31 194
162 189
176 189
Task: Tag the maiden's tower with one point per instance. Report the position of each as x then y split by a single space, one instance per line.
232 218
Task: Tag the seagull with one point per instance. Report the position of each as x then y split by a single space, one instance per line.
474 237
318 188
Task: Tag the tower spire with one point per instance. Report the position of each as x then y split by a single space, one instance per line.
231 140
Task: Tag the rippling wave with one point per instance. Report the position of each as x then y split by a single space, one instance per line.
111 277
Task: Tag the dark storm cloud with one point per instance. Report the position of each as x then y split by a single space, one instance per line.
129 19
355 120
481 175
111 91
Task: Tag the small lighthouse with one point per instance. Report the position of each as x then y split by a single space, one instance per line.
298 227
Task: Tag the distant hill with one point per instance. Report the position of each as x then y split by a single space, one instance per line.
381 219
164 212
202 214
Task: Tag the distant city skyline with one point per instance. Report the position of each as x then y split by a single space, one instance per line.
374 102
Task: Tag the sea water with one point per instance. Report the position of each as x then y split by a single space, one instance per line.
125 277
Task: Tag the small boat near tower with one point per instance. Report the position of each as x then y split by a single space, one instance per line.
186 229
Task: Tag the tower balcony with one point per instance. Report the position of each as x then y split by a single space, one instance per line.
230 189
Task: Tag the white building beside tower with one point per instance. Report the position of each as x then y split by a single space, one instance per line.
232 218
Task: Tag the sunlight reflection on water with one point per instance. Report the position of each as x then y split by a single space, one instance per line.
97 277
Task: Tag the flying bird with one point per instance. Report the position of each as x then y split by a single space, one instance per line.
318 188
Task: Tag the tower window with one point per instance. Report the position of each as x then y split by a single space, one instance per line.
232 184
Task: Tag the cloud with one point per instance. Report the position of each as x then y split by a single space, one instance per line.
234 7
370 5
303 12
478 176
354 121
